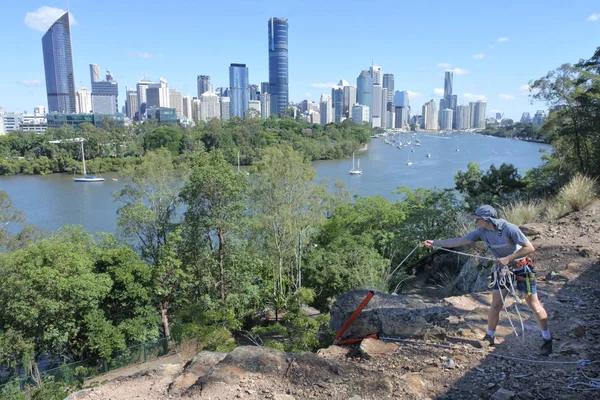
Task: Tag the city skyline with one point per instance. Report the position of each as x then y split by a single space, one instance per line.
495 64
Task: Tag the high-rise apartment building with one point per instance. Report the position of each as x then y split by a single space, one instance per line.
83 101
142 88
157 95
225 108
430 115
239 91
326 109
265 105
480 107
187 107
176 101
462 117
360 113
447 116
131 103
209 106
278 64
58 67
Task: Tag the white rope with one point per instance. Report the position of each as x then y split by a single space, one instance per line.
396 269
501 276
593 384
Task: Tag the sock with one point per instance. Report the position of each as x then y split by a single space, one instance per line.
546 335
492 333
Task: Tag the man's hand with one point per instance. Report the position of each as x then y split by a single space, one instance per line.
504 261
427 243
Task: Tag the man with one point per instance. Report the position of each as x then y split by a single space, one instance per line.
511 247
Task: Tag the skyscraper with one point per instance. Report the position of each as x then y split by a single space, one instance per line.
265 105
105 96
225 108
209 106
480 107
447 115
187 107
142 88
364 90
337 94
375 73
448 87
326 110
239 89
58 66
94 73
388 83
377 106
278 64
157 95
176 101
83 102
203 82
349 100
131 103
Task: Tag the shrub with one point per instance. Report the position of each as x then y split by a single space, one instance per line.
579 193
552 209
521 212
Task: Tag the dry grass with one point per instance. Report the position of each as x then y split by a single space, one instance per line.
579 193
552 209
521 212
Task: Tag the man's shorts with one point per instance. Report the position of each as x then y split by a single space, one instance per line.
520 281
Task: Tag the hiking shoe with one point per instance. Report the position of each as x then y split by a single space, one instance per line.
546 348
486 341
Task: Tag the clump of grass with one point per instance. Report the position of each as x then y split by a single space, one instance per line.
579 193
521 212
552 209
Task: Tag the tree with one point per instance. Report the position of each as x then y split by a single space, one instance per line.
571 92
496 186
287 204
216 200
149 216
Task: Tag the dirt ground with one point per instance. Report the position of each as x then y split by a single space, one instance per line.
567 261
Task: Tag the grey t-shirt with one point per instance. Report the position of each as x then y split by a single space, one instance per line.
505 240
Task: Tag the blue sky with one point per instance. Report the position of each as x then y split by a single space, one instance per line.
494 49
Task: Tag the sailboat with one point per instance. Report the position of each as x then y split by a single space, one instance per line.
428 155
357 170
457 149
86 177
409 162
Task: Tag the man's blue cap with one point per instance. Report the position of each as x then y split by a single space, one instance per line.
485 211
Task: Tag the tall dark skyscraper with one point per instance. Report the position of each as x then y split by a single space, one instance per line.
203 82
448 87
388 83
58 66
239 89
278 64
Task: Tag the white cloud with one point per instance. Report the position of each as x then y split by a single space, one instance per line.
594 17
524 90
323 85
478 56
413 95
504 96
30 82
459 71
43 18
438 92
503 39
143 54
474 97
444 65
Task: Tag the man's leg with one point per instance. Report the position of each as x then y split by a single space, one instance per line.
538 311
495 308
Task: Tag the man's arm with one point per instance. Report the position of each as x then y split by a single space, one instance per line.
526 250
450 243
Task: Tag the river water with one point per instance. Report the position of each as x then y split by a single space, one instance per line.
52 201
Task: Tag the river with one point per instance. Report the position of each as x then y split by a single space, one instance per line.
52 201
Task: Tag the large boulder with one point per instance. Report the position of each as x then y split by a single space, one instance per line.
472 277
407 316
